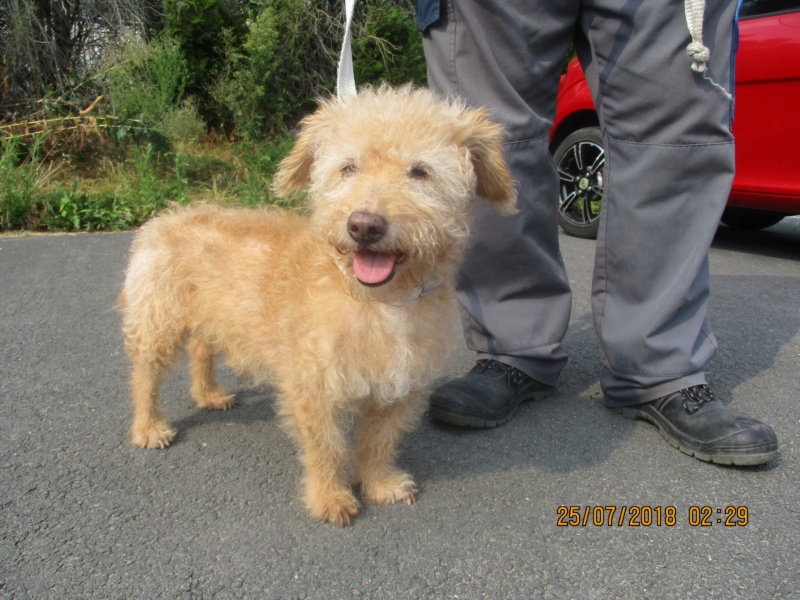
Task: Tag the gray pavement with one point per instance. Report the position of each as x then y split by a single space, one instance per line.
217 515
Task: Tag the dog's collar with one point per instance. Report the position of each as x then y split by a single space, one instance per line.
429 285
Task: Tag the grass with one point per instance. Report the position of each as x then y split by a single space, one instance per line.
109 188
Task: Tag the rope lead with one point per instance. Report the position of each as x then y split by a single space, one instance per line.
697 51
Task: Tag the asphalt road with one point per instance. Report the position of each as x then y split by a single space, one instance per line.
217 515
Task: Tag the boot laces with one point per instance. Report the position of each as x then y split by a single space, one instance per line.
695 396
516 376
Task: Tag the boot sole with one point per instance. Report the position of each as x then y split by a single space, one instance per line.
738 460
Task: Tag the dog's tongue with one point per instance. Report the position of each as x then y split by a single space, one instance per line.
373 267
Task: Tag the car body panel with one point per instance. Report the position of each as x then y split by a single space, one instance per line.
766 121
766 118
574 105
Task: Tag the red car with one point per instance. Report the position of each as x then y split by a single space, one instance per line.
766 126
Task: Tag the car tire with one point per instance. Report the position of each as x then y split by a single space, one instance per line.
580 160
748 220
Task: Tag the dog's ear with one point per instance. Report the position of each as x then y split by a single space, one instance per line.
294 172
484 140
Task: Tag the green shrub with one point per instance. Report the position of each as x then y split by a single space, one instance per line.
182 124
22 174
246 89
261 162
287 60
289 56
196 27
71 209
147 190
15 187
148 187
147 84
390 47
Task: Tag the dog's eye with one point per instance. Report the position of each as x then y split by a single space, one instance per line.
418 172
349 169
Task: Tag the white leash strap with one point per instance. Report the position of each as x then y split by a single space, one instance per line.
695 10
345 79
697 51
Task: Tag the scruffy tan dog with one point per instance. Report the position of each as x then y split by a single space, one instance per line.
348 311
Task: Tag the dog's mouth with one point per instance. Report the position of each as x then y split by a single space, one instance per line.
374 269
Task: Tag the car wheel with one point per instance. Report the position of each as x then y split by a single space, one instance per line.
580 159
748 220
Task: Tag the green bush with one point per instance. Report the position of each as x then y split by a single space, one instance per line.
287 60
182 124
21 177
147 85
28 200
246 88
390 47
16 188
197 27
70 209
261 162
147 188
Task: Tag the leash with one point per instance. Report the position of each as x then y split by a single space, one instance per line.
697 51
345 79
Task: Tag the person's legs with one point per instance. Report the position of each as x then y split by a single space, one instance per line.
669 168
513 289
668 172
512 286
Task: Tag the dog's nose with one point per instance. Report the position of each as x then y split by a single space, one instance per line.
366 227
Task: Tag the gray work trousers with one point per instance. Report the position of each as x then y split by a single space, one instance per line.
669 168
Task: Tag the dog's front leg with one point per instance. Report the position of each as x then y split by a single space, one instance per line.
381 429
320 427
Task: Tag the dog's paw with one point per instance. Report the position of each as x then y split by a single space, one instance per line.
154 436
215 400
399 487
336 507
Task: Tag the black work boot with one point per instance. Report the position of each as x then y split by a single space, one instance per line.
487 396
693 421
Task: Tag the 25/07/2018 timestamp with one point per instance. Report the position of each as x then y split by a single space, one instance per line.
646 516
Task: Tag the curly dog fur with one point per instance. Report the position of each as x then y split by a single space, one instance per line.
347 311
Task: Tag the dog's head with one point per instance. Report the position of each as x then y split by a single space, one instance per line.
392 174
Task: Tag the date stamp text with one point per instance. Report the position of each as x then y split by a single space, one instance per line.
650 516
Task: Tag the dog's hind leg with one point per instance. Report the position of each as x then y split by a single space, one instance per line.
321 430
379 433
205 390
150 429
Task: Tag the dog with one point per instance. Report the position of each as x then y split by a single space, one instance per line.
348 311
